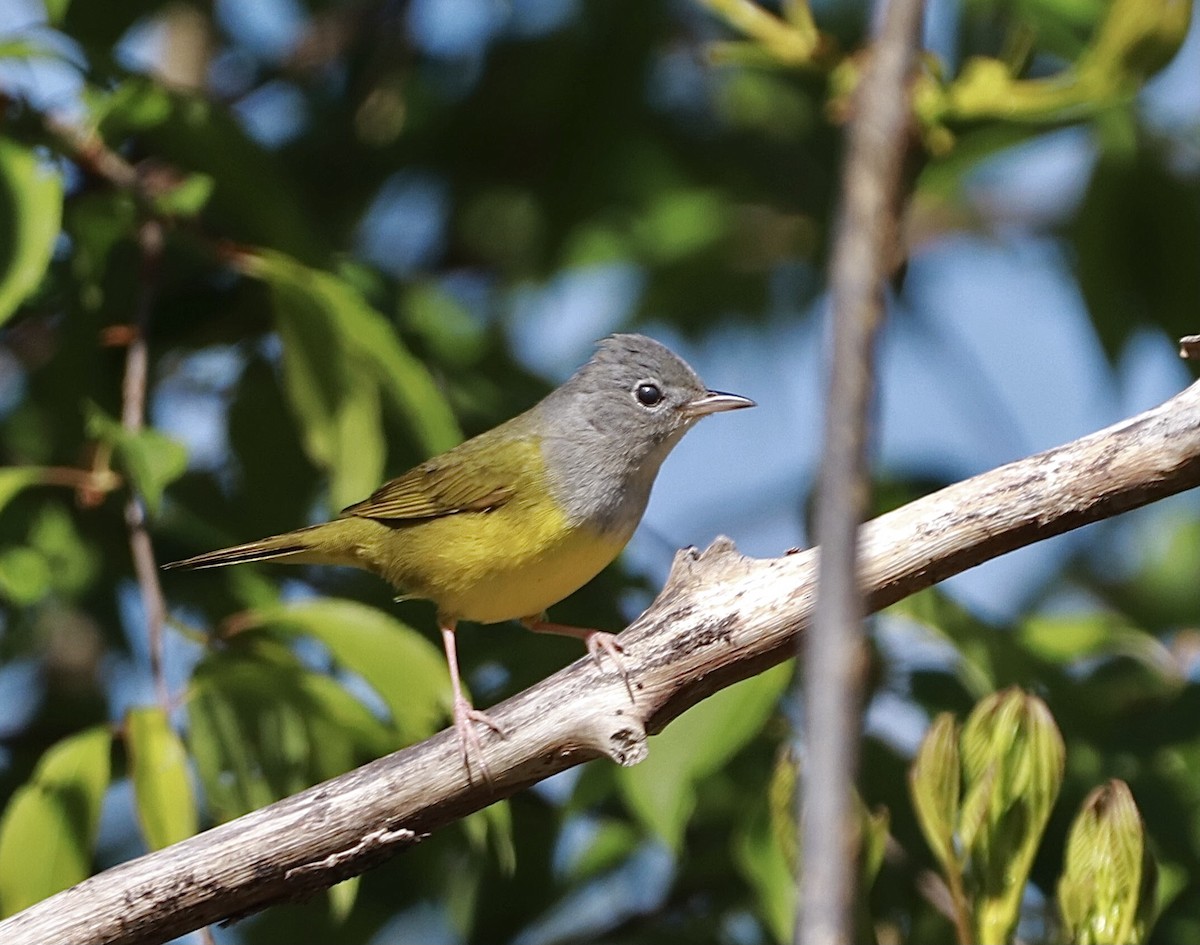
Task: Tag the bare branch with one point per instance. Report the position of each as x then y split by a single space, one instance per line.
133 411
721 618
879 140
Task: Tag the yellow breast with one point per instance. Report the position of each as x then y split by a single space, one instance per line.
511 562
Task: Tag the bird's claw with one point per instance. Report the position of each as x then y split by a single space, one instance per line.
470 747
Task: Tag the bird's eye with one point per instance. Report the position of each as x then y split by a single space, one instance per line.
648 394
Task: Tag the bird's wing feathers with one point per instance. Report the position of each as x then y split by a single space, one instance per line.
444 485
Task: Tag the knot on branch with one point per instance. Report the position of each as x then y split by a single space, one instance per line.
621 735
692 567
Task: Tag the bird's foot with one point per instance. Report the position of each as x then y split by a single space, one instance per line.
466 717
596 641
600 641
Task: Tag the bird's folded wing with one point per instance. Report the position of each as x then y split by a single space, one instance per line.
441 486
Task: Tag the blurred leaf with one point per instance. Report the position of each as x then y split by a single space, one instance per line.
71 559
97 224
25 576
611 842
493 826
661 790
1106 891
973 640
1136 39
132 105
762 862
14 479
1069 639
407 671
446 325
166 806
505 227
342 897
56 10
187 197
1137 238
153 460
262 727
253 200
781 804
49 827
934 781
1161 591
31 198
874 826
680 223
340 358
27 47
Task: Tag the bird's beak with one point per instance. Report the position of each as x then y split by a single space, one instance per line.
715 401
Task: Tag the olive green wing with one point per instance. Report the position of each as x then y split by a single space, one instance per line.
458 481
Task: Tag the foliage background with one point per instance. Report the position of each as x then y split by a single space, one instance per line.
388 225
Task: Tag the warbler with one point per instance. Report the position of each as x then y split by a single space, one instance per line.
513 520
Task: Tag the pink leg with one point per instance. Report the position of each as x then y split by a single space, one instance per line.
464 712
597 641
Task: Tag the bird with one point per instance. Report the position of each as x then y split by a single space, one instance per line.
515 519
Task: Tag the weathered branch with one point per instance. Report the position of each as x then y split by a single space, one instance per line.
721 618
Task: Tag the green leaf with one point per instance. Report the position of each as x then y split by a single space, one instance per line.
1068 639
934 782
407 671
98 222
72 561
14 479
166 806
781 803
444 324
493 827
152 460
762 862
186 198
56 10
1106 893
341 357
25 576
27 47
661 791
1136 239
31 199
262 727
342 897
680 223
136 104
49 827
1013 757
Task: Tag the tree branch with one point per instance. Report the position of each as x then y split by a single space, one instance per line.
721 617
863 260
133 415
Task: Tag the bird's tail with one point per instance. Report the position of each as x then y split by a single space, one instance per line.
298 547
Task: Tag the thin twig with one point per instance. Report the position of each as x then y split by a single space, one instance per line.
88 150
80 479
862 262
133 411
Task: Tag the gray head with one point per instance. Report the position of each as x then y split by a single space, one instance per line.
616 419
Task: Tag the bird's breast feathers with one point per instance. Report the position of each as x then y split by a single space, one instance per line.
502 563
